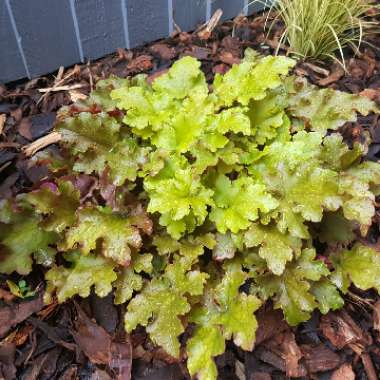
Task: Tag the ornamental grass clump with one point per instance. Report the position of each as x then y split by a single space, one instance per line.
319 29
173 196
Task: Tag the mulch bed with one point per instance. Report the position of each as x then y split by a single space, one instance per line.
85 339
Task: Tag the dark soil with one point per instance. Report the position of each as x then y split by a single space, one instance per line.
85 340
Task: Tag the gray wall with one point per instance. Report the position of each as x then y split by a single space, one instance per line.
38 36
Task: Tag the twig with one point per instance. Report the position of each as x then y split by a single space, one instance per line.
207 28
317 69
60 88
30 149
58 83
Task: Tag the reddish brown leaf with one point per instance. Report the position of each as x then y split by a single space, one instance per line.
98 346
6 296
141 63
11 315
7 357
92 339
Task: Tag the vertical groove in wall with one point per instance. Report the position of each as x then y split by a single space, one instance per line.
208 10
246 5
125 23
18 38
76 28
170 10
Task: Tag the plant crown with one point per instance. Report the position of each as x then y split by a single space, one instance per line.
198 205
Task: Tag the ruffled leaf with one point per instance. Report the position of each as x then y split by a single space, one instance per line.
83 273
113 232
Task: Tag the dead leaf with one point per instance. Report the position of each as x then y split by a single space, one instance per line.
98 346
141 63
92 339
6 296
344 372
11 315
55 334
7 359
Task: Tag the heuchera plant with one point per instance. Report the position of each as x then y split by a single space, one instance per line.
176 194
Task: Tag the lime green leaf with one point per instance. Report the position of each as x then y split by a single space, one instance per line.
226 313
114 232
275 247
300 289
361 265
324 109
183 79
84 272
237 203
19 239
327 296
206 343
181 200
129 279
162 301
127 282
251 79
